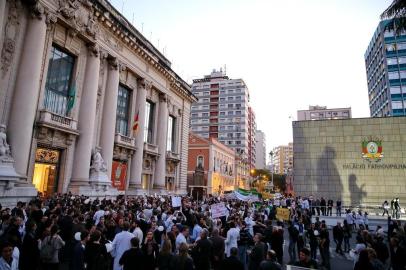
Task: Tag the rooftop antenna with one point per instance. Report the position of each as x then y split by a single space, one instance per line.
122 7
225 69
133 20
142 28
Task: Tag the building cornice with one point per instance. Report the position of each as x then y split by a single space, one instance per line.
111 19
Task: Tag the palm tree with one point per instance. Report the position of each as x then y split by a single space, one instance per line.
397 12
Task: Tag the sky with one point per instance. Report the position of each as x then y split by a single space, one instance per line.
291 54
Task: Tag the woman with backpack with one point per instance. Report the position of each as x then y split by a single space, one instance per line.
49 249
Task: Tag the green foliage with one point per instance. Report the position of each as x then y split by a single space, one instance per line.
279 180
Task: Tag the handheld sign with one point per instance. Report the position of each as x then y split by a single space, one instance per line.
218 210
176 201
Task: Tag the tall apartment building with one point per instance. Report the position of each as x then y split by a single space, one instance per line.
223 112
322 113
282 159
260 162
385 62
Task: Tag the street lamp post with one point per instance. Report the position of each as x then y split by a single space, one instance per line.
271 156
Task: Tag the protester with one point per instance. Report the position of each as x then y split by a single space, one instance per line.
78 260
183 261
133 258
305 260
270 263
96 256
49 251
232 262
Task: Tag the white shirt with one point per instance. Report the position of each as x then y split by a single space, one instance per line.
179 240
121 243
233 235
97 216
139 234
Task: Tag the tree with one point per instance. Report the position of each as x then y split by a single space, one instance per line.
279 180
396 12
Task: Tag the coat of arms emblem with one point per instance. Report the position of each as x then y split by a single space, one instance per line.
372 149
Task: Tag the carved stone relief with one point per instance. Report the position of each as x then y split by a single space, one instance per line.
54 137
78 16
11 31
122 153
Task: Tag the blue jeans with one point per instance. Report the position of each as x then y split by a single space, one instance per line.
242 254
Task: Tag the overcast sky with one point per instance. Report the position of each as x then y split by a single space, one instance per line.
291 54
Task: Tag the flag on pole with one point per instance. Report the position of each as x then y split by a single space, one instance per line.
71 97
136 123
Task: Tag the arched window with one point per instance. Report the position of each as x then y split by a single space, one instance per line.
200 161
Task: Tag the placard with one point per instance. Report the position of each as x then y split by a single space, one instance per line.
218 210
282 213
176 201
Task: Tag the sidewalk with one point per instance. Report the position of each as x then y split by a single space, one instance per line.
374 221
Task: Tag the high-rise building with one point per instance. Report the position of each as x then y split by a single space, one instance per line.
385 62
322 113
282 159
260 162
223 112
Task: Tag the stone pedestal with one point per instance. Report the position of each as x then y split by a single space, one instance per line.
12 188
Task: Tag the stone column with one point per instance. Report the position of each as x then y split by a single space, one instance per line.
22 114
160 170
87 116
138 158
108 125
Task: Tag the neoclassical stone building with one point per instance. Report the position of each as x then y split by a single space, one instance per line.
89 105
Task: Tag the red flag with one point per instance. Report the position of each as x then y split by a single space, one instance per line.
136 124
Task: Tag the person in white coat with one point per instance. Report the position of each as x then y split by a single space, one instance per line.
121 243
233 236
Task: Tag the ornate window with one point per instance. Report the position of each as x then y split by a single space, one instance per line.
200 162
170 139
149 122
123 104
59 89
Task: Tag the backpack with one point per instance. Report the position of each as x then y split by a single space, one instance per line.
47 250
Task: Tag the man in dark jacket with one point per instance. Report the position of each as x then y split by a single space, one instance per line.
244 242
270 262
232 262
133 258
329 207
338 235
203 251
218 248
78 260
258 252
398 255
305 260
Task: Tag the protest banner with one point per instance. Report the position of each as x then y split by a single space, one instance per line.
282 214
176 201
218 210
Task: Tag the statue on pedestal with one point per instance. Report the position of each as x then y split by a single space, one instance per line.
98 163
5 153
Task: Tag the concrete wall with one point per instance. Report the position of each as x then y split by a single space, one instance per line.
328 160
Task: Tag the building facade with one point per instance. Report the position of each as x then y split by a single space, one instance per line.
321 113
90 105
260 162
216 160
360 161
385 62
224 112
282 159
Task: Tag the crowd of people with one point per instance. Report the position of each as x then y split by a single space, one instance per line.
147 232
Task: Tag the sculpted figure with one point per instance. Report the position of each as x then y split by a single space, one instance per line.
4 147
98 163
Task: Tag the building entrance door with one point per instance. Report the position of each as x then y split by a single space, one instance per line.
45 177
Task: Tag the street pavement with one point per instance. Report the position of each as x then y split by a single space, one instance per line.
337 261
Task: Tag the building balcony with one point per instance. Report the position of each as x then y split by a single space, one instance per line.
124 141
56 121
151 149
172 156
